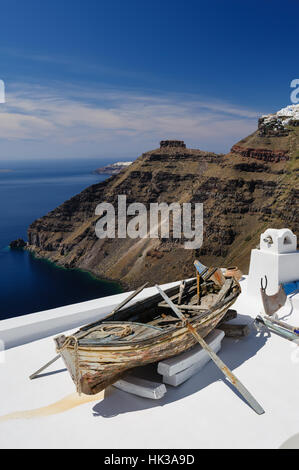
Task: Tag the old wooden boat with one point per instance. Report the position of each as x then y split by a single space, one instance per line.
148 331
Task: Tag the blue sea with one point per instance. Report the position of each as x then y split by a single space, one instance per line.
28 191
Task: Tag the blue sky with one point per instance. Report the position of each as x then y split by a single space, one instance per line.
111 78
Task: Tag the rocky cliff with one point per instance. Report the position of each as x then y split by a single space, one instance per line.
252 187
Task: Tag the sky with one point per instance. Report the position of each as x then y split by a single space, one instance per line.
110 79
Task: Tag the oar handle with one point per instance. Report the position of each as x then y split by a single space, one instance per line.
44 367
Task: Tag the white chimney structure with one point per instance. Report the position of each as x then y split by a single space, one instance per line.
277 258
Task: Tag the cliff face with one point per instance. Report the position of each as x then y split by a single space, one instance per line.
253 187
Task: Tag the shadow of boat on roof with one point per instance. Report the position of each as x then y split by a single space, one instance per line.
233 353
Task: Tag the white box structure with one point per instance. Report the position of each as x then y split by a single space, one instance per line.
277 258
177 370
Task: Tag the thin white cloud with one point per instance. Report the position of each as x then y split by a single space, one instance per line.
107 122
72 64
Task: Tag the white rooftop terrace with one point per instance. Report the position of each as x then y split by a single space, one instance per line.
204 412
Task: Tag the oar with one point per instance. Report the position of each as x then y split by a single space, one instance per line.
44 367
127 300
226 371
122 304
294 329
270 325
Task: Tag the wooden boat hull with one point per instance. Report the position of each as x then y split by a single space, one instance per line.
93 368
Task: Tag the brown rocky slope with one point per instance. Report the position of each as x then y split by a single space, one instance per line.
253 187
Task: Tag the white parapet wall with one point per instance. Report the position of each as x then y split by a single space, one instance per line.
27 328
277 259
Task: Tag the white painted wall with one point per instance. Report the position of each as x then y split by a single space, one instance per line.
25 329
277 259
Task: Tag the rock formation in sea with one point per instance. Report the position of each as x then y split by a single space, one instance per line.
252 187
19 243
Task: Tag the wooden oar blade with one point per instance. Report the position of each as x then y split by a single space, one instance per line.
228 373
219 363
200 268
